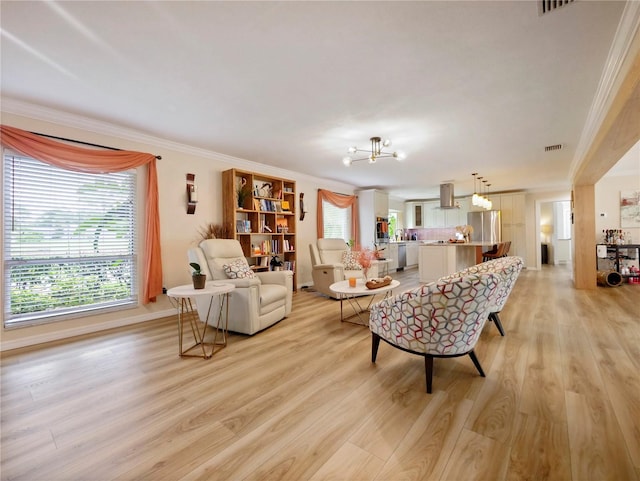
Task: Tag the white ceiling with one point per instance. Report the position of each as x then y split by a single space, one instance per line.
461 87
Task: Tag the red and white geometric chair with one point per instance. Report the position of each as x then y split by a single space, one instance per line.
442 319
509 268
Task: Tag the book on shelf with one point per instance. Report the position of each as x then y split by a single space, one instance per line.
243 226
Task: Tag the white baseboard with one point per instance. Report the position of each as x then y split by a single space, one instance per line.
79 331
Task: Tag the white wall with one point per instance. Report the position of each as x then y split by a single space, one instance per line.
179 231
607 193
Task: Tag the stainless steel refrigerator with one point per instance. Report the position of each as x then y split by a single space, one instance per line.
487 226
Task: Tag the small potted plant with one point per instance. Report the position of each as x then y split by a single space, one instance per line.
242 193
199 279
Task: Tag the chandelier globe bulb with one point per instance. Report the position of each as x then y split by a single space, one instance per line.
347 161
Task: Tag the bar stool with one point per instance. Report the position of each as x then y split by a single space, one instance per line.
500 252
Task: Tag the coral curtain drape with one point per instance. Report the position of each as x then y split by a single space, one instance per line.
95 161
342 201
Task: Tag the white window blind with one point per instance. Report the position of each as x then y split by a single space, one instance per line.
336 221
69 241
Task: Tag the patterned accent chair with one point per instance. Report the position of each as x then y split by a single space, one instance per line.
259 300
509 268
442 319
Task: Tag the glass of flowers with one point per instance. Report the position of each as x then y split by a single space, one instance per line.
365 256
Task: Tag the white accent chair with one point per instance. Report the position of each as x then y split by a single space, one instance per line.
327 266
257 302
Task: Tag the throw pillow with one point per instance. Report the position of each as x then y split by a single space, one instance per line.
350 261
238 269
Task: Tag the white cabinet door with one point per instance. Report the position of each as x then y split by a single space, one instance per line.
414 215
436 262
392 253
453 217
512 207
516 234
412 254
434 215
462 211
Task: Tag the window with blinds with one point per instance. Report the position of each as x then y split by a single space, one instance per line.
69 241
336 221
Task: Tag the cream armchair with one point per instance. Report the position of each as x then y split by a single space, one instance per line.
327 266
258 301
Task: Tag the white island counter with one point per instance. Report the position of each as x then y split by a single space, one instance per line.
442 259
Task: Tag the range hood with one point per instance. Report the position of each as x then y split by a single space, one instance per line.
446 196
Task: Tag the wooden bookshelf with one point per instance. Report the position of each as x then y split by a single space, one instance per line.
265 222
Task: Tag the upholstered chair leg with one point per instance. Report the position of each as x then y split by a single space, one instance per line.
496 320
473 357
428 369
375 342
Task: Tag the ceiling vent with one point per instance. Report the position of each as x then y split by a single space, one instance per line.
446 196
550 148
546 6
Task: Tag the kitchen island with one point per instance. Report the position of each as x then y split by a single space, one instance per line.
438 259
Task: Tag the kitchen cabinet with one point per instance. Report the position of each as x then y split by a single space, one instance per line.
414 215
434 215
512 208
439 260
392 253
460 213
412 254
437 217
436 262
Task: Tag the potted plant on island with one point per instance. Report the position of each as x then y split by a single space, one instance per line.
199 279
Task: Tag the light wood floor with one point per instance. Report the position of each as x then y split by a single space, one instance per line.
302 401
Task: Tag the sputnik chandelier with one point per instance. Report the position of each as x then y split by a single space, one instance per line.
480 200
375 153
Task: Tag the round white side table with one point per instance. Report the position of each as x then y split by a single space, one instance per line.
351 294
183 296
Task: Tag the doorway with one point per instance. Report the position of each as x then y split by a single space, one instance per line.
555 232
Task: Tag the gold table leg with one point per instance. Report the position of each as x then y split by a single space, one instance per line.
186 312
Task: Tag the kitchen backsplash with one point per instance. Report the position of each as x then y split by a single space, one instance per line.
443 233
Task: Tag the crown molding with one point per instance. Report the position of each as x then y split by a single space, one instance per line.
612 75
66 119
